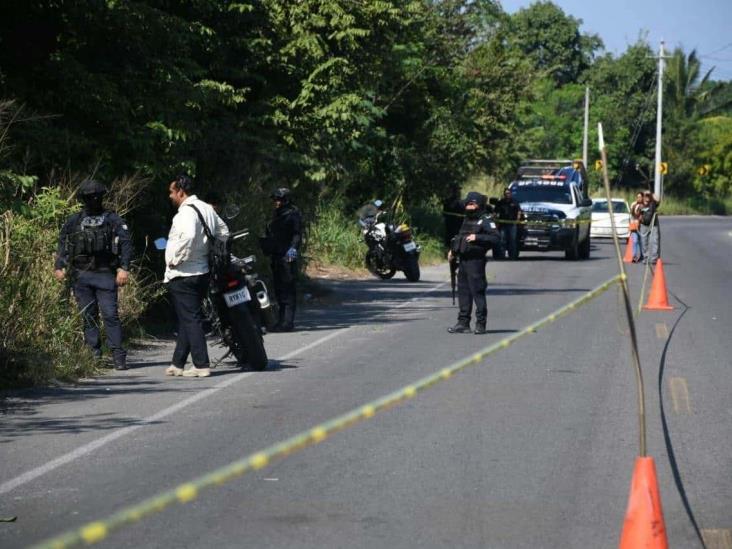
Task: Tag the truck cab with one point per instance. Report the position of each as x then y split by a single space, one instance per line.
556 209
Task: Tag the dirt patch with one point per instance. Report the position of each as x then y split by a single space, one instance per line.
335 272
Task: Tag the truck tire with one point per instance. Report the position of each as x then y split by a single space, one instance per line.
584 248
249 345
572 253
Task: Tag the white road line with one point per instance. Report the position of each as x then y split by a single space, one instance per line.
89 447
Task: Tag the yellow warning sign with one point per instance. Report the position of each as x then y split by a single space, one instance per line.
598 165
663 168
704 169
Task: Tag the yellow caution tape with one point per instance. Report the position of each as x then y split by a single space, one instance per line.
98 530
559 222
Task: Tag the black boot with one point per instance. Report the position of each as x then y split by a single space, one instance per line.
280 319
459 328
120 360
480 328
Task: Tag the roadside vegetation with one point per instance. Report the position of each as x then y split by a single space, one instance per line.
341 101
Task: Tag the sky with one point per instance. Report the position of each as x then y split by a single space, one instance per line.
704 25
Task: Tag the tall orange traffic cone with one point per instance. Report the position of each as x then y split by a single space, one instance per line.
628 257
658 298
644 527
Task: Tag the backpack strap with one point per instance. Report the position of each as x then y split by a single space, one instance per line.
205 227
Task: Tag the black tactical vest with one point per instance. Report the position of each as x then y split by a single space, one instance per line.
92 243
471 225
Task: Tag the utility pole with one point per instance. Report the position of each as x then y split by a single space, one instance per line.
657 180
587 122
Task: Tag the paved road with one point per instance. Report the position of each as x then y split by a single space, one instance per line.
533 448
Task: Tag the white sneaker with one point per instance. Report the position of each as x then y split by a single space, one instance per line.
173 370
197 372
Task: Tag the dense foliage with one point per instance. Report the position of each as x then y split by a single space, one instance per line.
332 97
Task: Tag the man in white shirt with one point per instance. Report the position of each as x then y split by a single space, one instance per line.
187 275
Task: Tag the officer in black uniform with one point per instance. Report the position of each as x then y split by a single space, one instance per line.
282 243
508 209
94 251
477 235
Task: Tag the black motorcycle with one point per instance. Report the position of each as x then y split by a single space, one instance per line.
391 249
238 308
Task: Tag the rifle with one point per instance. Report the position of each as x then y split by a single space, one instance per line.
453 274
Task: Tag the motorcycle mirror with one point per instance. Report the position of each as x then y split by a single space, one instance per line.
231 211
160 243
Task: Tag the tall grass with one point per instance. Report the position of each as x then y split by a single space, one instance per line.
334 238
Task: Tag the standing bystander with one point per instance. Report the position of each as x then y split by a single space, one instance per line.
650 232
187 274
635 218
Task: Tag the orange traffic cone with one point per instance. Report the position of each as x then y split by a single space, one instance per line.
628 257
644 526
658 298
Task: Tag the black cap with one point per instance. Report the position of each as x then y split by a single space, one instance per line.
91 186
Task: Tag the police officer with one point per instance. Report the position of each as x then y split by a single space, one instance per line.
477 235
370 211
94 251
282 243
508 209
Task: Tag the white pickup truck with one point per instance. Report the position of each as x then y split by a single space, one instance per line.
556 208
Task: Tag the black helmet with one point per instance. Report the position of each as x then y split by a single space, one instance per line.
91 186
282 193
478 198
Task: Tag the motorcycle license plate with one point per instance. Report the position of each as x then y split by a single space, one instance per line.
238 297
410 246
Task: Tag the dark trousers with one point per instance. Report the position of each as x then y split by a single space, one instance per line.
284 274
509 239
187 293
95 292
472 283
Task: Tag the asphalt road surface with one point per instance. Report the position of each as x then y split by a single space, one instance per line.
532 448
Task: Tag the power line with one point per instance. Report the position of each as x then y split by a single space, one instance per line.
717 50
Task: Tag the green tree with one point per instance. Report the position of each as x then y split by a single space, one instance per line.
689 97
553 41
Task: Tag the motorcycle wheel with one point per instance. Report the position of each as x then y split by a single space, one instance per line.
411 268
249 345
375 268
